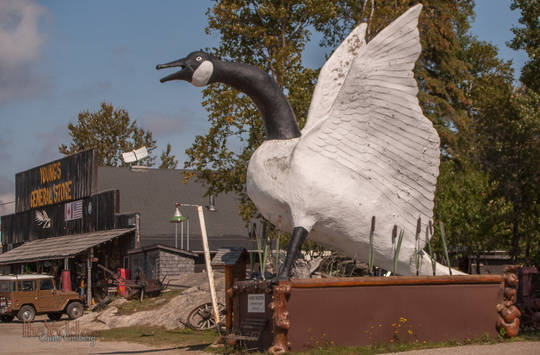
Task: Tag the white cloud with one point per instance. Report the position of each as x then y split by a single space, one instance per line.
20 38
20 43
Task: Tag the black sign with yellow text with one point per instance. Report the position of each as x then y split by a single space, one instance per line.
63 180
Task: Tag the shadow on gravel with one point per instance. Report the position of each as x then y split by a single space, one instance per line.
197 347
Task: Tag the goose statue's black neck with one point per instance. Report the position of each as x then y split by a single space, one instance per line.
276 111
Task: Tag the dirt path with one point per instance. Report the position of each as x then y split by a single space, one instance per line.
12 342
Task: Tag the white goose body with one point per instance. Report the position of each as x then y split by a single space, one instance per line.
290 189
366 149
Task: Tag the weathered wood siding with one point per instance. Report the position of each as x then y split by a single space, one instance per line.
98 214
68 179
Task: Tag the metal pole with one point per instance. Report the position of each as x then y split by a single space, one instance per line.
208 265
182 235
176 235
66 264
188 235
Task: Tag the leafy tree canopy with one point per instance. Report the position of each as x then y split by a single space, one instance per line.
110 132
168 161
528 39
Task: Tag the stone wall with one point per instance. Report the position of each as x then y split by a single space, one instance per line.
172 264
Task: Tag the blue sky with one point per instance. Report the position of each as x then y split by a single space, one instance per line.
60 57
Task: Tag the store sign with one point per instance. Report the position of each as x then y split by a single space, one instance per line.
56 192
256 303
59 181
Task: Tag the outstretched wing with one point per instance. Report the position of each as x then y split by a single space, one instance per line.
332 76
375 126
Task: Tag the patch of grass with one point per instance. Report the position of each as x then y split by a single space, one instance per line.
148 303
200 340
401 347
158 336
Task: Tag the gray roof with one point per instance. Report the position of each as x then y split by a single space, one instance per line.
154 192
59 247
163 248
228 256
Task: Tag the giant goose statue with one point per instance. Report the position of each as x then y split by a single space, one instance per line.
366 149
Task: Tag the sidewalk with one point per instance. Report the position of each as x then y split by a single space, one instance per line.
515 348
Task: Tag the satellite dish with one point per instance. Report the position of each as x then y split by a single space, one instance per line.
129 157
135 155
141 153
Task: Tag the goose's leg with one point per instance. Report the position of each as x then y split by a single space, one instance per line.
298 237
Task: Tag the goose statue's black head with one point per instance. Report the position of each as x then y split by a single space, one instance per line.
196 68
200 69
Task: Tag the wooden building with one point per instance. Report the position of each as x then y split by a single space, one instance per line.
71 199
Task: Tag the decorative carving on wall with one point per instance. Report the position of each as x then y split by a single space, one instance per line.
280 317
509 314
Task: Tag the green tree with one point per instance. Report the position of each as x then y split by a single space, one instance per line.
472 211
272 36
512 128
528 39
168 161
110 132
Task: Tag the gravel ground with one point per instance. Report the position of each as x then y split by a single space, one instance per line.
170 315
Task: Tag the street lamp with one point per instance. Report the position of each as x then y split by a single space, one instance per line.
178 218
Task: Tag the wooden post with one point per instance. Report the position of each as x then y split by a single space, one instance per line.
208 264
228 298
89 277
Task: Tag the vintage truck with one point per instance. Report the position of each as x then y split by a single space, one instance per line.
25 296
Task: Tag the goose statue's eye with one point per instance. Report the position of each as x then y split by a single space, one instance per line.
198 59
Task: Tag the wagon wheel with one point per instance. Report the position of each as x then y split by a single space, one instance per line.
202 316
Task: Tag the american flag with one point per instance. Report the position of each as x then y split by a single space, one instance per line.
73 210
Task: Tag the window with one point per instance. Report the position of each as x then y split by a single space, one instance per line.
46 284
27 285
7 286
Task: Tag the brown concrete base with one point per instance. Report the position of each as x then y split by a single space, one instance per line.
304 314
384 314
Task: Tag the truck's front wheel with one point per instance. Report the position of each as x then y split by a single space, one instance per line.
27 313
74 310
